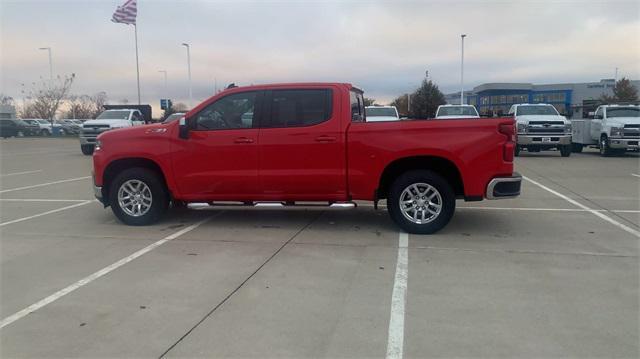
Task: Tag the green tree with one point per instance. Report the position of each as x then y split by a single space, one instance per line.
401 105
426 99
623 91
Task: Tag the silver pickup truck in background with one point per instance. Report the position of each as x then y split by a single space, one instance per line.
541 127
614 129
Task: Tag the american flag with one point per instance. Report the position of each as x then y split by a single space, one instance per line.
126 14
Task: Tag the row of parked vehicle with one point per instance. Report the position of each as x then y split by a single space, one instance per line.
38 127
613 129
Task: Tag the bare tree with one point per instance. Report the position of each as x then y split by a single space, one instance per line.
48 96
6 100
85 106
28 110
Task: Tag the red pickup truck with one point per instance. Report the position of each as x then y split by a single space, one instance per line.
284 144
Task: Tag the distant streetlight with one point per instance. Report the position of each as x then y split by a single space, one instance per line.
189 71
462 71
166 89
50 62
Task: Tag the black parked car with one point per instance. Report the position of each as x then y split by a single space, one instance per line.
13 127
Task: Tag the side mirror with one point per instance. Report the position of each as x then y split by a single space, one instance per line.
183 128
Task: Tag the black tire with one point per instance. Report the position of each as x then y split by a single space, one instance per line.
576 147
158 190
444 189
45 133
87 149
605 150
516 150
565 150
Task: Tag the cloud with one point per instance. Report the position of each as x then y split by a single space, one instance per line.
384 47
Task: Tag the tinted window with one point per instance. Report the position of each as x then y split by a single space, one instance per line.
357 107
293 108
230 112
536 110
623 112
381 111
457 111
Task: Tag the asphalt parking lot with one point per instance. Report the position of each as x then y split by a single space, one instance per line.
553 273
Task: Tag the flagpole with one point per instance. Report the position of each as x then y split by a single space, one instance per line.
135 29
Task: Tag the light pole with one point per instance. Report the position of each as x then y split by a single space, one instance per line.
189 71
50 62
462 71
166 94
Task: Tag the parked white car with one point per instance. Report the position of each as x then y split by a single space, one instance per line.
456 111
614 129
45 126
541 127
381 113
107 120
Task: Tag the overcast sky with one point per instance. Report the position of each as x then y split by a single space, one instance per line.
383 47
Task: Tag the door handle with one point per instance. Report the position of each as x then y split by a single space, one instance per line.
243 140
325 138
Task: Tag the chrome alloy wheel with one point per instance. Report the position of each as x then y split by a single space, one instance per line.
420 203
135 198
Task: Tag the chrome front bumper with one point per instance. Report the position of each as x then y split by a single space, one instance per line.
554 139
504 187
624 143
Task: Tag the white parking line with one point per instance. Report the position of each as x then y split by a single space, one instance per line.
636 175
106 270
594 212
20 173
529 209
40 200
45 213
44 184
395 343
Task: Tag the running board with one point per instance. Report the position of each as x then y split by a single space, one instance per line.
333 205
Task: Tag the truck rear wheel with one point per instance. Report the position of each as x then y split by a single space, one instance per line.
565 150
421 202
87 149
516 150
138 197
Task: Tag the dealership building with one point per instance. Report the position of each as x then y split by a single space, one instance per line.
573 99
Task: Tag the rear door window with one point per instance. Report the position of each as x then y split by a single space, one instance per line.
298 108
357 107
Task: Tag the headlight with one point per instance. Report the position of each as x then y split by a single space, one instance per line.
616 131
522 128
98 145
567 127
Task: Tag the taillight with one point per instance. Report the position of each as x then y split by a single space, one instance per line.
509 130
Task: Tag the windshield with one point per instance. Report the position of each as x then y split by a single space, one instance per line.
380 111
23 123
114 115
537 110
457 111
623 112
173 117
44 122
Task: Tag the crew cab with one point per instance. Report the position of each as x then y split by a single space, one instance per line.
283 144
541 127
445 112
107 120
614 129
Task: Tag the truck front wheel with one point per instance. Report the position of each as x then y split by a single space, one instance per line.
605 150
138 197
87 149
565 150
421 202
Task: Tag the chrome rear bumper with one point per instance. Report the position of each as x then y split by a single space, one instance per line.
504 187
